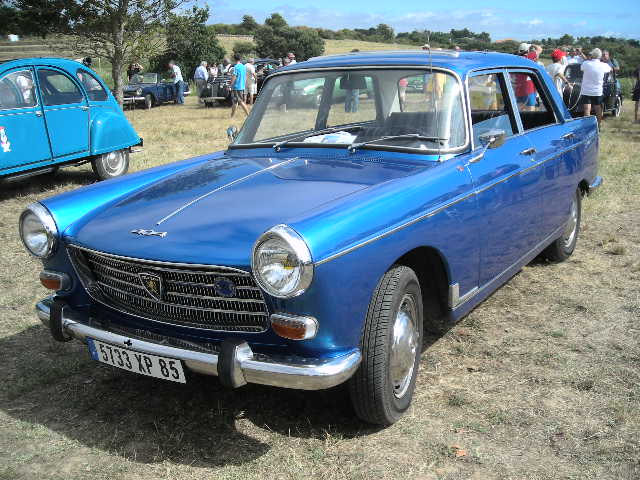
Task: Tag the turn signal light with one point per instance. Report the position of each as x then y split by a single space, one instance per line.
294 327
55 280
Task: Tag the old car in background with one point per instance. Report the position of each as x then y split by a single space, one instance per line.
322 244
56 112
611 91
149 90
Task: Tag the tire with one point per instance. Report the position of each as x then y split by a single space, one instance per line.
617 109
111 165
563 247
148 101
382 387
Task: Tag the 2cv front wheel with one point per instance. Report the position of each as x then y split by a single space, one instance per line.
382 388
111 164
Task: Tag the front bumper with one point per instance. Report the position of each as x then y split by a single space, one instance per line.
132 99
597 183
241 364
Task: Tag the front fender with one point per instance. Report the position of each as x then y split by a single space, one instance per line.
110 130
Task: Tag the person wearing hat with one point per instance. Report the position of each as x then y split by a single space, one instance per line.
556 69
593 72
576 55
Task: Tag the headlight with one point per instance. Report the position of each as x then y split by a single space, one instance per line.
282 263
139 92
38 231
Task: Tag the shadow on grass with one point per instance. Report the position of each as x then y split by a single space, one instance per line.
147 420
43 183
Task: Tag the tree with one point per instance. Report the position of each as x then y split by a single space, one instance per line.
244 49
248 26
276 21
305 43
119 31
385 33
189 42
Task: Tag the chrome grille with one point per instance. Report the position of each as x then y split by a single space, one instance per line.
190 296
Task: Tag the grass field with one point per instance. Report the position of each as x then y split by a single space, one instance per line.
541 381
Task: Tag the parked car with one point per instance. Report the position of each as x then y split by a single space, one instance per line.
149 89
611 91
322 244
56 112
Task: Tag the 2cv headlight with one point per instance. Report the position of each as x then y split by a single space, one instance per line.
38 231
282 263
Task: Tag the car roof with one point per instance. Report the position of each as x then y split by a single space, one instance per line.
459 61
53 61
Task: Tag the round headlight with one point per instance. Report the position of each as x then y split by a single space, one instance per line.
38 231
139 92
282 263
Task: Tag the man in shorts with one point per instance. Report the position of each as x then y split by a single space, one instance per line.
238 84
593 72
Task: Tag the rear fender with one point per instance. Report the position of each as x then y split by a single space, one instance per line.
110 130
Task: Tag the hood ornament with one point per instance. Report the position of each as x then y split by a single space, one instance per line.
149 233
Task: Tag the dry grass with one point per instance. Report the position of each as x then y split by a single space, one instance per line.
539 382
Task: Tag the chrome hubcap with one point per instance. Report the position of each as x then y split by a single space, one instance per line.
572 225
114 163
404 346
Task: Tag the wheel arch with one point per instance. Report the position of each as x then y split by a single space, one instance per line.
584 187
432 270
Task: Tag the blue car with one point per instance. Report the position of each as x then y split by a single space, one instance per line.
329 237
56 112
149 90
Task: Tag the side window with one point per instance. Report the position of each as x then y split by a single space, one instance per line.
17 90
490 108
92 86
57 88
533 103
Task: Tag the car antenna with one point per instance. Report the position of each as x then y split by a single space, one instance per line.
434 100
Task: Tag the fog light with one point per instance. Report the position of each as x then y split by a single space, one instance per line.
55 280
294 327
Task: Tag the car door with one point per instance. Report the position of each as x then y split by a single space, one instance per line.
66 112
506 187
23 135
553 153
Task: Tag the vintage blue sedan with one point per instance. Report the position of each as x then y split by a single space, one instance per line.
149 90
56 112
330 236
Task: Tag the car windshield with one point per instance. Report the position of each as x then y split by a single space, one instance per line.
391 107
144 78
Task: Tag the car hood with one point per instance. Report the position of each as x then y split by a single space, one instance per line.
213 213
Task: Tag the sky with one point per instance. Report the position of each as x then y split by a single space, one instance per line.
501 18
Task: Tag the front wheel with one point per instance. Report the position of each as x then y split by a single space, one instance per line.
382 388
148 101
111 165
563 247
617 109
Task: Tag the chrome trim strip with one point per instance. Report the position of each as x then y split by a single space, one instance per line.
292 372
222 187
443 207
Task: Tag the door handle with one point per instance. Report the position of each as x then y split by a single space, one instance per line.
568 136
528 151
38 113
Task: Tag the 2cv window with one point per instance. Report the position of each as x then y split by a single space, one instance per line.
92 86
57 88
17 90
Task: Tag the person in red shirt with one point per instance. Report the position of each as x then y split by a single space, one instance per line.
525 90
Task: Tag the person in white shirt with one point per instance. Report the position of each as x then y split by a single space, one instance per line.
556 70
593 72
292 58
200 76
251 88
176 74
576 56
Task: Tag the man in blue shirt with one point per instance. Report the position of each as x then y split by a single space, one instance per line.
238 82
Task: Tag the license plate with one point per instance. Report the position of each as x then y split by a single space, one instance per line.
137 362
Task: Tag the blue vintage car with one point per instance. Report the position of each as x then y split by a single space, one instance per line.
149 90
56 112
329 237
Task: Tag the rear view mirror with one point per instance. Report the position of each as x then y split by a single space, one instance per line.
493 138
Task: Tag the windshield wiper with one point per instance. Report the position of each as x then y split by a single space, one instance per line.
279 145
355 146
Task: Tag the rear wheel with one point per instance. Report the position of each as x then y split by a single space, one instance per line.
111 165
563 247
382 388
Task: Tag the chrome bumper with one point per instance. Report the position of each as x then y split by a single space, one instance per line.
597 183
132 99
246 367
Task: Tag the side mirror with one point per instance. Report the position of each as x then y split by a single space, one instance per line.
232 133
493 138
